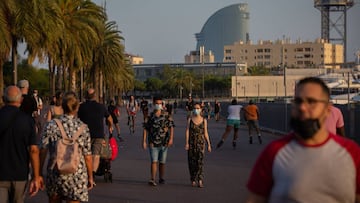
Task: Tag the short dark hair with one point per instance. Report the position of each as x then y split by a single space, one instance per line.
156 98
317 81
233 102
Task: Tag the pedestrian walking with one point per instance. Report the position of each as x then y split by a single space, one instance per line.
144 106
39 107
196 139
71 187
158 136
252 116
232 123
189 106
28 104
93 114
175 105
132 108
115 113
335 121
56 110
309 164
217 109
18 149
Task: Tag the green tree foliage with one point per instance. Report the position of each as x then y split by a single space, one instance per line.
37 77
258 70
154 84
139 85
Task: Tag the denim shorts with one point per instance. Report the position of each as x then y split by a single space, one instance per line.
233 122
158 154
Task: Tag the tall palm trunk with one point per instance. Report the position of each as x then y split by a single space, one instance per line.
59 74
1 81
51 76
72 79
14 59
96 80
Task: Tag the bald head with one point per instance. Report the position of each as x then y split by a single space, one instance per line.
90 94
12 96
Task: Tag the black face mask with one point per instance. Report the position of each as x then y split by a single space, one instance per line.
306 129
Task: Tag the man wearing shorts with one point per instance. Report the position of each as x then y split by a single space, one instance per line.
93 113
158 135
252 117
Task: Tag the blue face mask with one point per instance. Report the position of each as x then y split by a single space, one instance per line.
197 111
158 107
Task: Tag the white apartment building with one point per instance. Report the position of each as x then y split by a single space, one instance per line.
319 54
135 59
196 57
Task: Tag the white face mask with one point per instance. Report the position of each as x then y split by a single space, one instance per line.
158 107
197 111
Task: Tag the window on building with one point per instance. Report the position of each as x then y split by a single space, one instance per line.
228 51
148 72
267 50
259 50
299 62
299 49
267 56
307 49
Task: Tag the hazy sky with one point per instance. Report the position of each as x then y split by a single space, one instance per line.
162 31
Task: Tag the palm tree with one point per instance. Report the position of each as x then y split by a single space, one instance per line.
44 48
83 21
109 61
21 18
5 43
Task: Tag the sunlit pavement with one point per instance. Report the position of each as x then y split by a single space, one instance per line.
226 169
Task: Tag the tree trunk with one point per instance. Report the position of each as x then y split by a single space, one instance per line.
14 59
101 87
96 80
1 82
65 79
59 77
51 76
72 79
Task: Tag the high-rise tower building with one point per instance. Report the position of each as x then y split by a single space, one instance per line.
226 26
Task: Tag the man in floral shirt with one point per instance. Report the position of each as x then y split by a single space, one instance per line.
158 136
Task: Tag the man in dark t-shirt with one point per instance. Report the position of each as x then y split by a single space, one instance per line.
189 107
18 148
28 104
93 113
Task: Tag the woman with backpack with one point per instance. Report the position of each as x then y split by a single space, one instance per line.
62 181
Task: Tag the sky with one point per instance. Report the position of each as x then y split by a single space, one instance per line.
163 31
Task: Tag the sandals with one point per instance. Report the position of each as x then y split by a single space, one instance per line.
201 185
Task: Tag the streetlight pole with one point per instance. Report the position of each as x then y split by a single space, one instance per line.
285 84
202 52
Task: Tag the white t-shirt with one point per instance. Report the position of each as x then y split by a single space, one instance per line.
234 112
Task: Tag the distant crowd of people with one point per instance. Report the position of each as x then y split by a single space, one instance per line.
302 166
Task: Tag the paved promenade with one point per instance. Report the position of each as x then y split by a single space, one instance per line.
226 169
